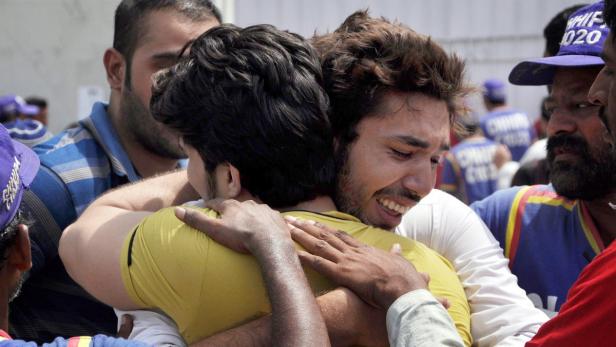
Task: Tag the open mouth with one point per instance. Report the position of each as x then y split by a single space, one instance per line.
392 206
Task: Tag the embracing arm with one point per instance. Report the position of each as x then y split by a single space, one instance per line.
252 228
501 314
90 248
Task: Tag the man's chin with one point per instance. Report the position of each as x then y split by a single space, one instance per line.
574 189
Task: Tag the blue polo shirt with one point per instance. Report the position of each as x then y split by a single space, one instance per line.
77 166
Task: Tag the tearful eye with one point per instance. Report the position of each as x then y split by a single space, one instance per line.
402 155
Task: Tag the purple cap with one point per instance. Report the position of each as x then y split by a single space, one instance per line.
10 104
580 47
494 90
18 166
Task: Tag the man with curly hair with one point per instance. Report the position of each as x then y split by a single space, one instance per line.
282 155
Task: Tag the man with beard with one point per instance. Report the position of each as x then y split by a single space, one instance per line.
118 143
551 232
587 317
282 155
370 129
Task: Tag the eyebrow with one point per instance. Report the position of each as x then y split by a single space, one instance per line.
166 56
416 142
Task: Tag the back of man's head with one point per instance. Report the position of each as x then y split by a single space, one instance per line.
365 58
252 98
130 15
494 92
609 14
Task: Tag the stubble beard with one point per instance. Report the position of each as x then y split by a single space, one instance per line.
146 130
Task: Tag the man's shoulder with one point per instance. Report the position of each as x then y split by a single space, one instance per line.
67 146
74 155
499 199
164 229
441 199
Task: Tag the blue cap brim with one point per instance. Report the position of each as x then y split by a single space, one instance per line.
540 71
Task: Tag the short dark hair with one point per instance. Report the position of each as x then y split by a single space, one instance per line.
36 101
609 15
252 98
555 29
129 16
8 234
365 58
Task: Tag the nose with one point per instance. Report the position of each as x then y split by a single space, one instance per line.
561 122
420 178
599 90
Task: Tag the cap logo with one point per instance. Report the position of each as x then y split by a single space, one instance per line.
583 29
12 187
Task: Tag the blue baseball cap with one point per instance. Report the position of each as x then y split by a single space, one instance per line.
11 103
18 166
580 47
494 90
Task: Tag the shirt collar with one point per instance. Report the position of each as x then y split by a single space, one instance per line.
99 125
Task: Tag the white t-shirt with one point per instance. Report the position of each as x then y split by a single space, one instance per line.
501 314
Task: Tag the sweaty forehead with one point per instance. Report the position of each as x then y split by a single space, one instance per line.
572 81
409 114
168 30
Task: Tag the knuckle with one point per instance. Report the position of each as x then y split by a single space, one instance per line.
323 235
321 244
189 216
339 234
320 225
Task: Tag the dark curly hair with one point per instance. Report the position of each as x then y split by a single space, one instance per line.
252 97
367 57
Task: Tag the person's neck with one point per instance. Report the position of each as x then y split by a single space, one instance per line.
146 163
603 216
319 204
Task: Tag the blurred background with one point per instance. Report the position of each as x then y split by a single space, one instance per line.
54 48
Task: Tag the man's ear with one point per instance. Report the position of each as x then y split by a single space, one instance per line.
20 256
234 184
115 67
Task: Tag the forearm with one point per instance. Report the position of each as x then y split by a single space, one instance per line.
253 334
338 311
417 319
150 194
296 319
